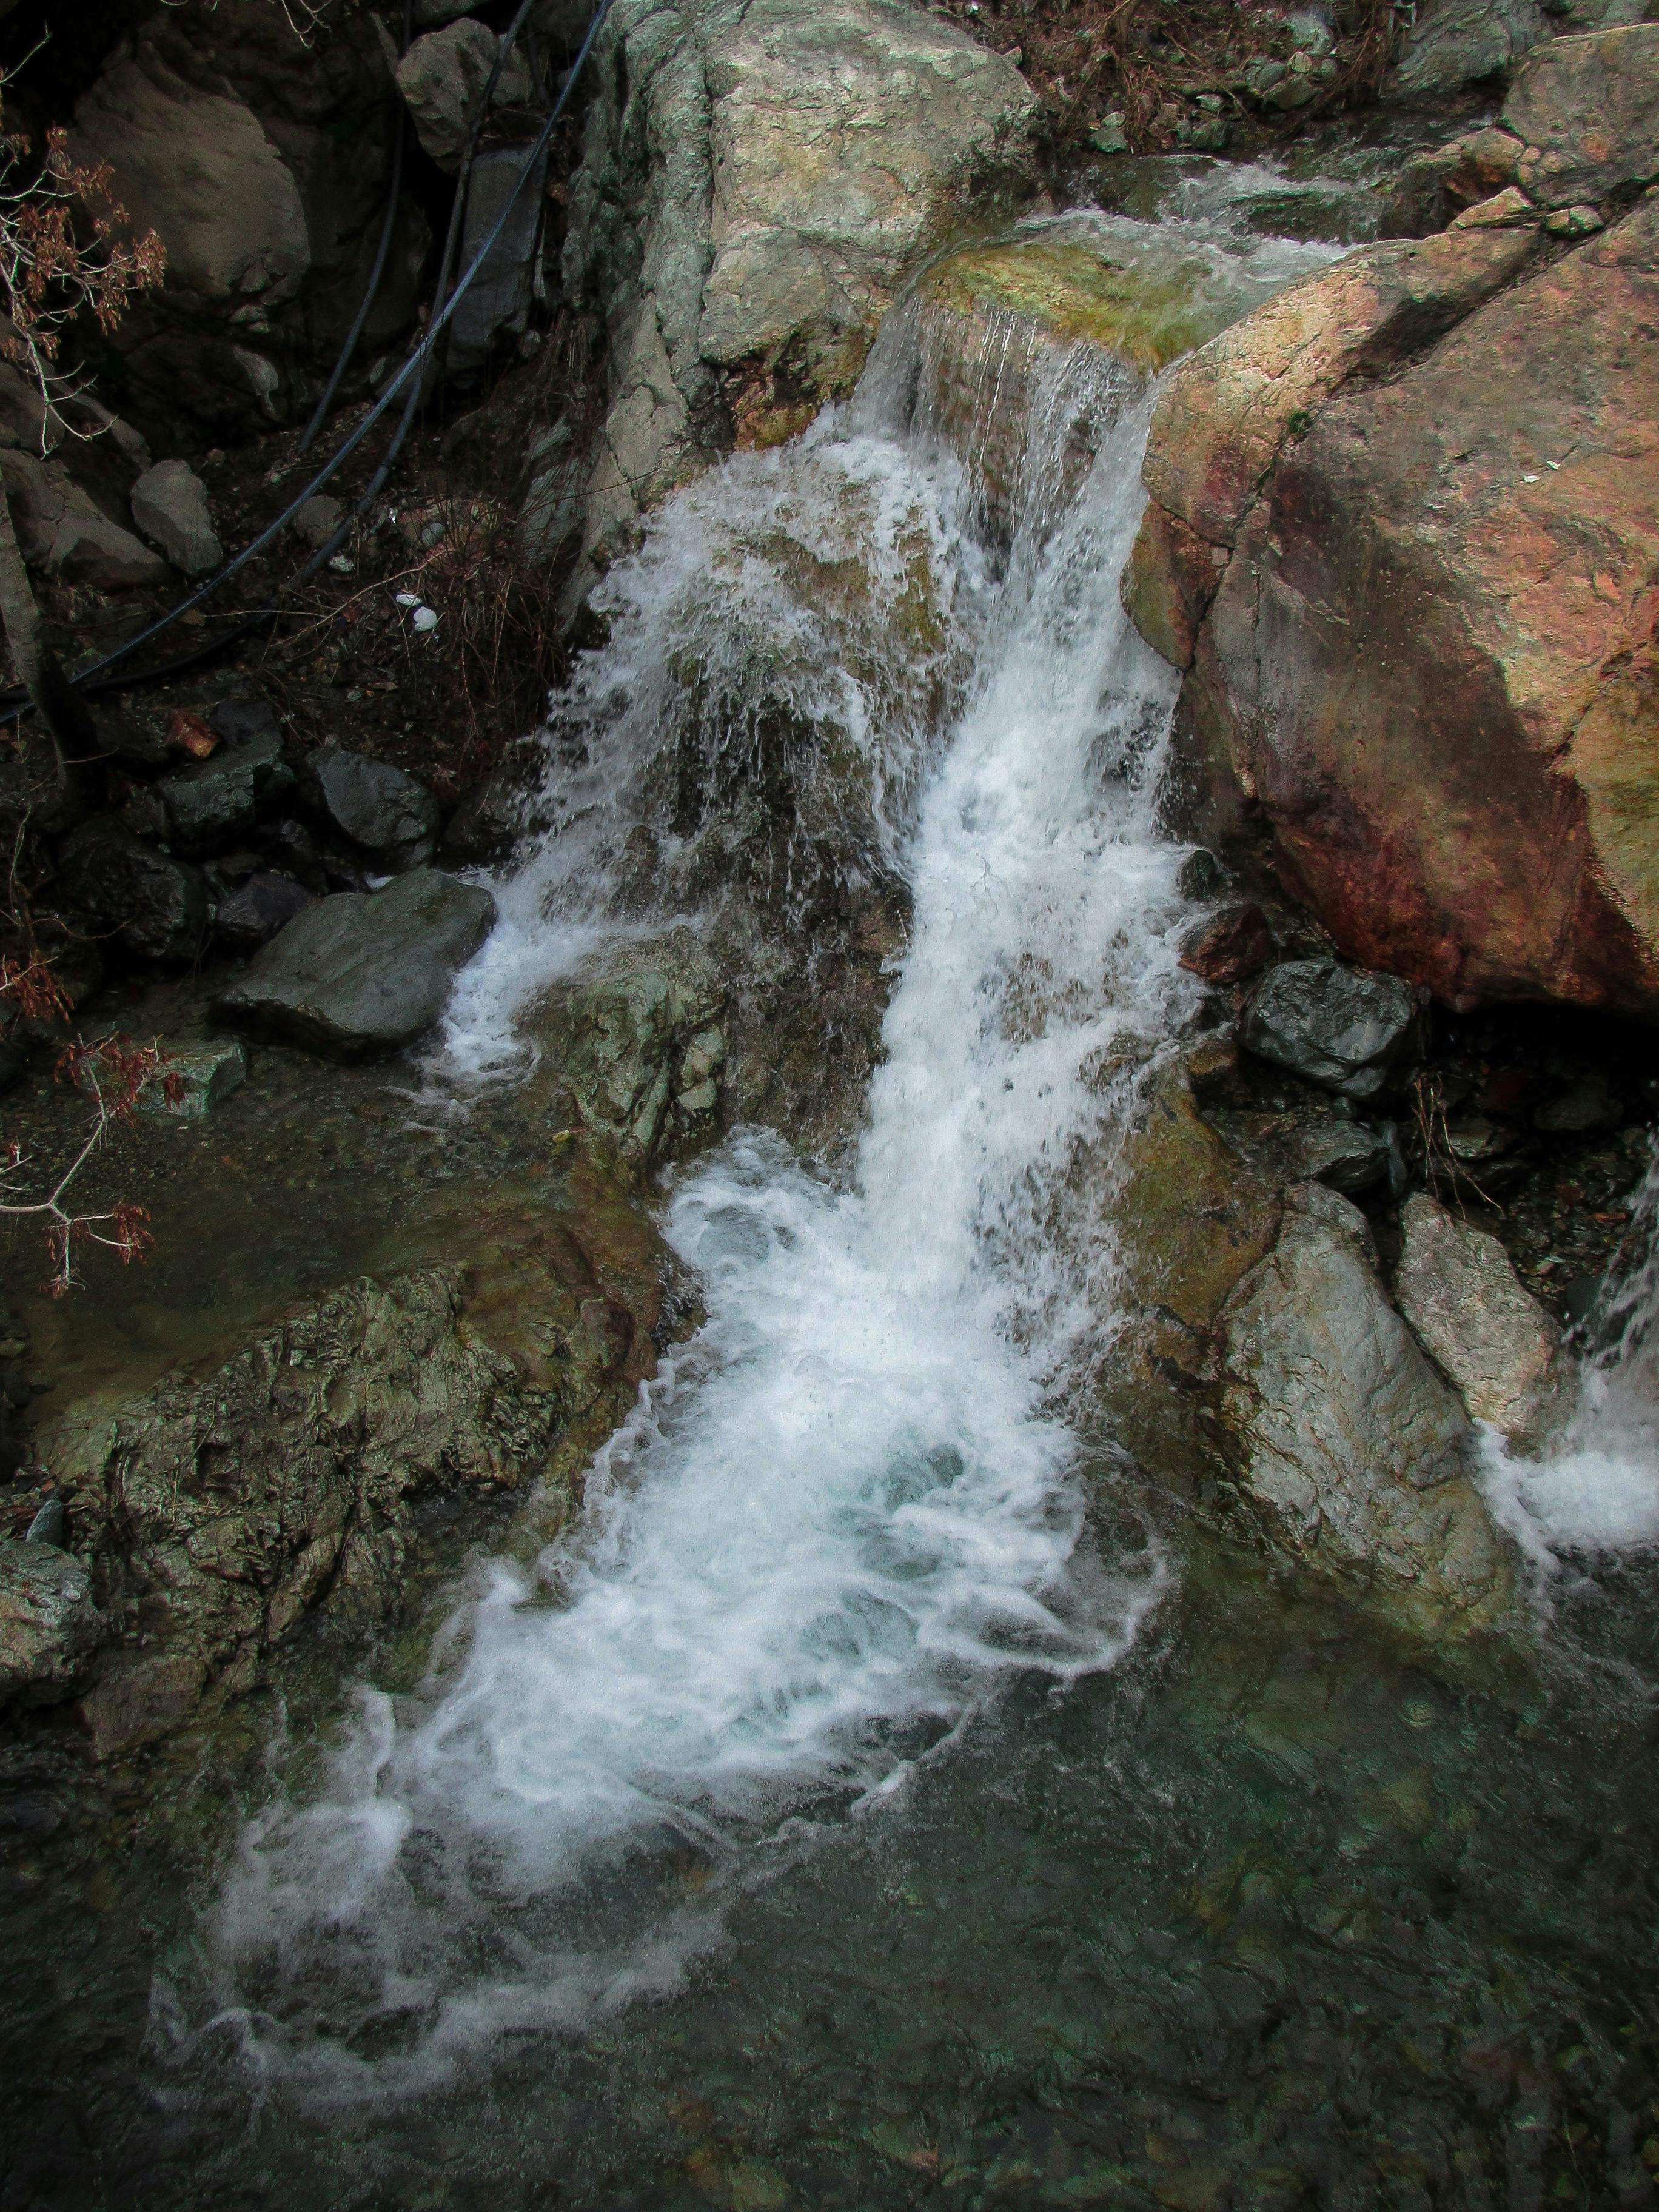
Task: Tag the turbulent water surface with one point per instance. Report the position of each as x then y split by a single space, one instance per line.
868 1802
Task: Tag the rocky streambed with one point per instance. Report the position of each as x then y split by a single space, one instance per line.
890 1441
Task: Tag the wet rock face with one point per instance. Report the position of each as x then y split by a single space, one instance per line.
217 1510
640 1046
1414 608
354 975
1350 1452
49 1625
1346 1031
1485 1332
755 183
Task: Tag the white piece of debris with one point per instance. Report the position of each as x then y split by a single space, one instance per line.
409 598
423 619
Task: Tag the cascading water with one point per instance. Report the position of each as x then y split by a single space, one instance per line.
1598 1491
847 1513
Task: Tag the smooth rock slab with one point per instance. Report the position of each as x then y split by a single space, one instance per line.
49 1625
356 975
1482 1327
1335 1026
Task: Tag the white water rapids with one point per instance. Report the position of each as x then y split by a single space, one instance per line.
843 1515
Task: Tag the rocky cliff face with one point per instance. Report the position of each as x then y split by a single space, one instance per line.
1402 539
757 178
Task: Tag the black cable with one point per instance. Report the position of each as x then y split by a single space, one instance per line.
416 361
387 226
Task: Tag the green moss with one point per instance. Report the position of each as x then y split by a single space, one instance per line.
1148 314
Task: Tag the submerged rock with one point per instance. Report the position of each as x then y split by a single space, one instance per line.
355 975
1350 1452
192 1081
1335 1026
1483 1329
49 1625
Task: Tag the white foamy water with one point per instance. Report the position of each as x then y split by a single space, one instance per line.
1598 1492
845 1512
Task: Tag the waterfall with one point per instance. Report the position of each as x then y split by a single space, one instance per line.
1598 1491
846 1512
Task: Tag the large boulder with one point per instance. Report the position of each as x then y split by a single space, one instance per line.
61 528
442 79
1587 111
354 975
49 1623
1450 43
1351 1453
756 181
262 163
1485 1331
1416 607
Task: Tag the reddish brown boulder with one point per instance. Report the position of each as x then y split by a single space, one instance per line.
1431 664
1229 947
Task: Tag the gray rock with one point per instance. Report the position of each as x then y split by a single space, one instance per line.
49 1626
1344 1156
170 506
1586 111
388 814
442 79
1454 43
1343 1027
157 906
193 1079
50 1525
498 299
1588 1104
62 530
758 182
356 975
1483 1329
257 909
639 1044
319 518
1351 1451
210 806
482 827
552 513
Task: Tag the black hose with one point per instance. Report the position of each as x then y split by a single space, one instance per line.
388 225
415 362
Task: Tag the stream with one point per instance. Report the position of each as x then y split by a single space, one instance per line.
879 1797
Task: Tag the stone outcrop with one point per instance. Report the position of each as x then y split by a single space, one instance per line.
1402 539
1485 1331
755 181
354 975
1349 1450
216 1509
263 166
62 529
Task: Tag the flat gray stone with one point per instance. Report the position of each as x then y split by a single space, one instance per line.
1342 1027
49 1625
356 975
